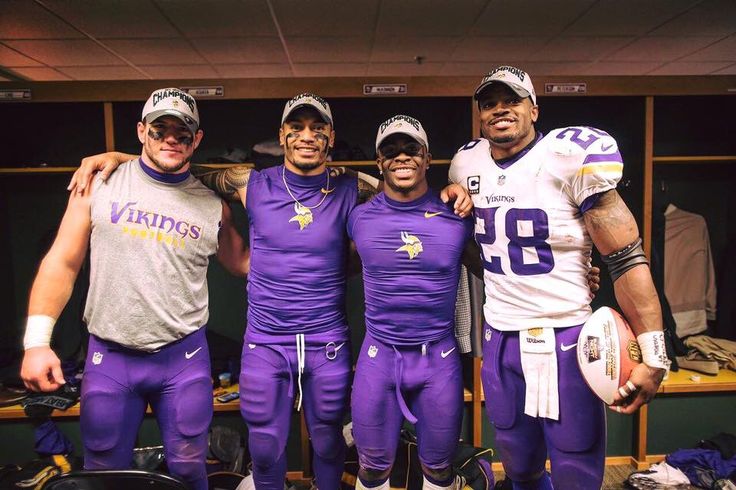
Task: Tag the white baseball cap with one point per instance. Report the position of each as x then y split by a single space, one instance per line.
308 100
517 80
401 124
172 102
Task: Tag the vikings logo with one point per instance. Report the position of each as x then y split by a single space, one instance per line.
303 216
372 351
412 245
97 358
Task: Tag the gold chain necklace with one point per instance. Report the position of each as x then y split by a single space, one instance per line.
304 214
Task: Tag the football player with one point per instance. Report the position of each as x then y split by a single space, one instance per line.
541 203
410 243
151 229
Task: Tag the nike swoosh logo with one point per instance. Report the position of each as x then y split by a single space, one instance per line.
607 147
327 191
565 348
189 355
428 215
445 354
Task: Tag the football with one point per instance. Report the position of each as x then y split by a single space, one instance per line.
607 352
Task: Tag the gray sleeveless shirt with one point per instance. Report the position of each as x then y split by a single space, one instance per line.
149 250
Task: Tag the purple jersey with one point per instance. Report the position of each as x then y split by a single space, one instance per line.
411 264
298 256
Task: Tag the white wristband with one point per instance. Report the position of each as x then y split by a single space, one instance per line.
38 331
653 351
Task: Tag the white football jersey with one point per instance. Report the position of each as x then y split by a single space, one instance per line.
529 223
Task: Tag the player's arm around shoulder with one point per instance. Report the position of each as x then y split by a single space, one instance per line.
232 251
368 186
230 183
614 232
104 163
456 189
52 287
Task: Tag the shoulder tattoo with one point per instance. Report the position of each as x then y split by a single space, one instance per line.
224 181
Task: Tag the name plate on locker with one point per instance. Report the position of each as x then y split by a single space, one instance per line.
385 89
565 88
9 94
196 92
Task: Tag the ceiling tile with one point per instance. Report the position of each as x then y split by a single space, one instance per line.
77 52
627 17
9 58
334 17
180 71
115 18
21 19
538 68
606 67
535 68
540 17
152 51
330 69
715 17
660 49
328 49
472 69
101 72
428 17
485 48
40 74
404 69
404 49
238 38
729 70
219 18
246 70
579 48
724 50
690 68
241 50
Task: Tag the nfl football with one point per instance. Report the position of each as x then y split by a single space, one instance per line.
607 352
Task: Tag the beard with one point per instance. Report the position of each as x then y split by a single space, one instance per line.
306 166
168 169
509 139
500 140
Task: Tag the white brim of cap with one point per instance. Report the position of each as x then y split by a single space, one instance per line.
416 138
171 112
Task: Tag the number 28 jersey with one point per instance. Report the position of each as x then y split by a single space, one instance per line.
529 223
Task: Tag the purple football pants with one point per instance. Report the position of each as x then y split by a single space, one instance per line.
119 383
420 383
576 443
269 383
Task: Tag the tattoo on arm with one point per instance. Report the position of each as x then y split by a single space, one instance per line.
224 181
366 183
610 223
366 191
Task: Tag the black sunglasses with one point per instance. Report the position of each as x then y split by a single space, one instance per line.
392 150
